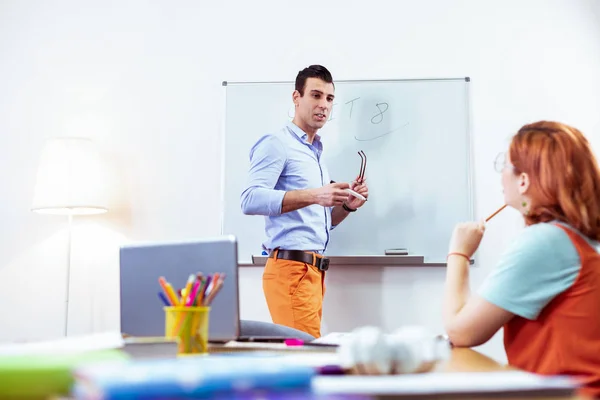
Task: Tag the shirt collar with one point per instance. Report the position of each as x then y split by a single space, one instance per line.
302 135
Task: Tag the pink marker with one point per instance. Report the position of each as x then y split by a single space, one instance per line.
298 342
194 293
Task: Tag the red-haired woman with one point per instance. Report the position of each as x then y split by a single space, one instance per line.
545 290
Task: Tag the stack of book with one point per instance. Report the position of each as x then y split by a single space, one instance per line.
193 377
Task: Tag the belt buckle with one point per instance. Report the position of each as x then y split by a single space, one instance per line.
324 264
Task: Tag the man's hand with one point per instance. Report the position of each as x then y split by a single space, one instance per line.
359 186
331 195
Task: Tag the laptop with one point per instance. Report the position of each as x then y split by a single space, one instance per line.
141 265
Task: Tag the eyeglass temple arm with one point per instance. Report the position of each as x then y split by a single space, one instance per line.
363 164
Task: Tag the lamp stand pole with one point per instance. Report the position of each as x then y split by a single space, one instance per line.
70 216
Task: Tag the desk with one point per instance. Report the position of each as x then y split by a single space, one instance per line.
469 360
461 360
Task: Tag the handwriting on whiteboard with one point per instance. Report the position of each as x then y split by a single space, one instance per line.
378 115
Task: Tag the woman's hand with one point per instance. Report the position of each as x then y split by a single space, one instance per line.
466 238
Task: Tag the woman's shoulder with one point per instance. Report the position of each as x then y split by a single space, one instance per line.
540 263
562 225
550 239
545 232
547 240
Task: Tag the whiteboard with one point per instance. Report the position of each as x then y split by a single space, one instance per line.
415 134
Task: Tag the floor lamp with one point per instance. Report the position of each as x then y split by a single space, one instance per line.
69 182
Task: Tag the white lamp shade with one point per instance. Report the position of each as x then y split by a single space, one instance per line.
70 178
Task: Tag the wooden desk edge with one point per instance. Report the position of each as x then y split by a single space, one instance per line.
461 360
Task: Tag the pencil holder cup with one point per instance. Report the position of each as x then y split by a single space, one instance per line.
190 326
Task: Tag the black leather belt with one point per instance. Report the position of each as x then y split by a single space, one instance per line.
320 262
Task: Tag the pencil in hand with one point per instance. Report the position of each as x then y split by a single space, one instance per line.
496 212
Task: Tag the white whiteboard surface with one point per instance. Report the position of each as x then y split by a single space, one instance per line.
415 134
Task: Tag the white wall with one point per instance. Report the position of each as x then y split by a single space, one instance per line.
144 79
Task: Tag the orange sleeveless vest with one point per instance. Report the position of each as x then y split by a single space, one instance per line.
565 338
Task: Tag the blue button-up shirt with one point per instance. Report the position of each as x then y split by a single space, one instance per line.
281 162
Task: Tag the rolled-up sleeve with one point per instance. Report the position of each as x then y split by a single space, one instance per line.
267 160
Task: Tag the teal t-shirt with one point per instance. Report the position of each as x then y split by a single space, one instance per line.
538 266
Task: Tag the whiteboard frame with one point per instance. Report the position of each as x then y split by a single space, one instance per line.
258 259
466 79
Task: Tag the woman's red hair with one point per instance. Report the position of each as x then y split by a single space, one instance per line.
563 174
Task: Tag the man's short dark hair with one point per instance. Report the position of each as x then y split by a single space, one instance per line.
313 71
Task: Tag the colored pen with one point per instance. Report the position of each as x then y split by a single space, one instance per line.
164 299
216 279
201 290
192 297
213 293
169 291
207 286
188 289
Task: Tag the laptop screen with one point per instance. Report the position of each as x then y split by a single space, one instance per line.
141 265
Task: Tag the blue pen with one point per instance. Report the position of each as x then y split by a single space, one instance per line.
164 299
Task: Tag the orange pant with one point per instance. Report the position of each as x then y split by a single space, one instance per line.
294 293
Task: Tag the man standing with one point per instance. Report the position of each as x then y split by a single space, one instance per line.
290 186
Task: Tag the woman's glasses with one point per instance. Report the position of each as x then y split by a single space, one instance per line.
500 162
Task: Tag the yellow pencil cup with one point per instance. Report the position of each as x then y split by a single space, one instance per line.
190 326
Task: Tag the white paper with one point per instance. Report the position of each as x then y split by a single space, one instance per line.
331 338
66 345
445 382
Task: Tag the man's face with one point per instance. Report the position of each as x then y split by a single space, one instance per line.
313 109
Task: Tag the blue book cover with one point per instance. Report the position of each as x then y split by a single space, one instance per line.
192 377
